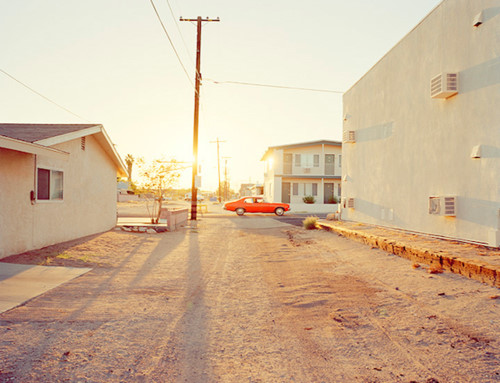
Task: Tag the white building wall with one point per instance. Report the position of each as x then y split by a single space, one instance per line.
88 206
410 147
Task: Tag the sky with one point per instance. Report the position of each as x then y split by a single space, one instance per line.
110 62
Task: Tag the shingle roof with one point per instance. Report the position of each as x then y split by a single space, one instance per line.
36 132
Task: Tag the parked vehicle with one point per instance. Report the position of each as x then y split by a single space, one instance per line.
199 197
256 204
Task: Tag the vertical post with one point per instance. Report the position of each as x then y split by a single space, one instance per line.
194 190
225 180
218 167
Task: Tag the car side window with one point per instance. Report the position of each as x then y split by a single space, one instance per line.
259 200
248 200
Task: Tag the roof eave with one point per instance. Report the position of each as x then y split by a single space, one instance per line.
70 136
27 147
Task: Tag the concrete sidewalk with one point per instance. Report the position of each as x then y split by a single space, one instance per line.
19 283
473 261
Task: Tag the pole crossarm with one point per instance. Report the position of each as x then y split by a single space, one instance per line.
201 19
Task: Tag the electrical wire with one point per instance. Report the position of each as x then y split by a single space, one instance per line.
274 86
180 33
172 44
42 96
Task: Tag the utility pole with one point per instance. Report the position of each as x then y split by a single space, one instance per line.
218 163
194 190
226 185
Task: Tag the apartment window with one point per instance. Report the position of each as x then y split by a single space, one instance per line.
298 160
315 189
340 160
49 184
316 160
295 187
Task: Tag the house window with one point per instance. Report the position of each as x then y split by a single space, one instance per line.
315 189
49 184
82 143
295 188
297 160
340 160
340 190
316 160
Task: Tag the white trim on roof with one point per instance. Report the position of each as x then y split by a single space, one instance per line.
100 135
70 136
26 147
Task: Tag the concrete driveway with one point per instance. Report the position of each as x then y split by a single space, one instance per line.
20 283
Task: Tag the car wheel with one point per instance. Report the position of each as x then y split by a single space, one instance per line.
240 211
279 211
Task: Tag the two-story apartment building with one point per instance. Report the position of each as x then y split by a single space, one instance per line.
422 129
295 171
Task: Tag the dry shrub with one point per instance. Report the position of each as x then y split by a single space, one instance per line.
415 265
310 223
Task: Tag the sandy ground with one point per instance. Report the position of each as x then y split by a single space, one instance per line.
248 299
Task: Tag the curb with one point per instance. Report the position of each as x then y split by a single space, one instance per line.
473 269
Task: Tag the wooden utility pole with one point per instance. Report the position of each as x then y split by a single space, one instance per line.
218 163
226 185
194 189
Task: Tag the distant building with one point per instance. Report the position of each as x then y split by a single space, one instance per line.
246 190
57 183
304 169
421 142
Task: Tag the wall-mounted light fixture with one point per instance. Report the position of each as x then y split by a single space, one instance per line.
478 20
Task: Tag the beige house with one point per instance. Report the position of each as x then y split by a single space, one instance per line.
57 183
422 129
295 171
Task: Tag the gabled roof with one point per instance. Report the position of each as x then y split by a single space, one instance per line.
31 138
36 132
300 145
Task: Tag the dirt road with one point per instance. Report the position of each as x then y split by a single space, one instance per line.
249 299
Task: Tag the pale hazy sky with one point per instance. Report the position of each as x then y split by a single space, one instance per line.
110 62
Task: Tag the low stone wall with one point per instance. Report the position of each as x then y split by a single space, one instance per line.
175 217
471 268
128 197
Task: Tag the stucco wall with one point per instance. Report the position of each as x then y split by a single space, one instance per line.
88 206
410 147
16 218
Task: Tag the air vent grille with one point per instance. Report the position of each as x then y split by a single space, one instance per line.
349 136
350 203
444 85
450 206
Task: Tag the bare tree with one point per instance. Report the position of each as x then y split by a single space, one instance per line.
156 177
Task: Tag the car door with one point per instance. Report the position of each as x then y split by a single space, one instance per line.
249 205
262 206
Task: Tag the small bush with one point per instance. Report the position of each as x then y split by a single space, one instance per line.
310 223
309 199
333 199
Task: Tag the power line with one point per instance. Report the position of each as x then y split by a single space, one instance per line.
275 86
180 33
171 43
42 96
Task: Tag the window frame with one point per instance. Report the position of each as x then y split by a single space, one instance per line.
297 160
50 199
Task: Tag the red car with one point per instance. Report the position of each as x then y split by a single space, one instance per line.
256 205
